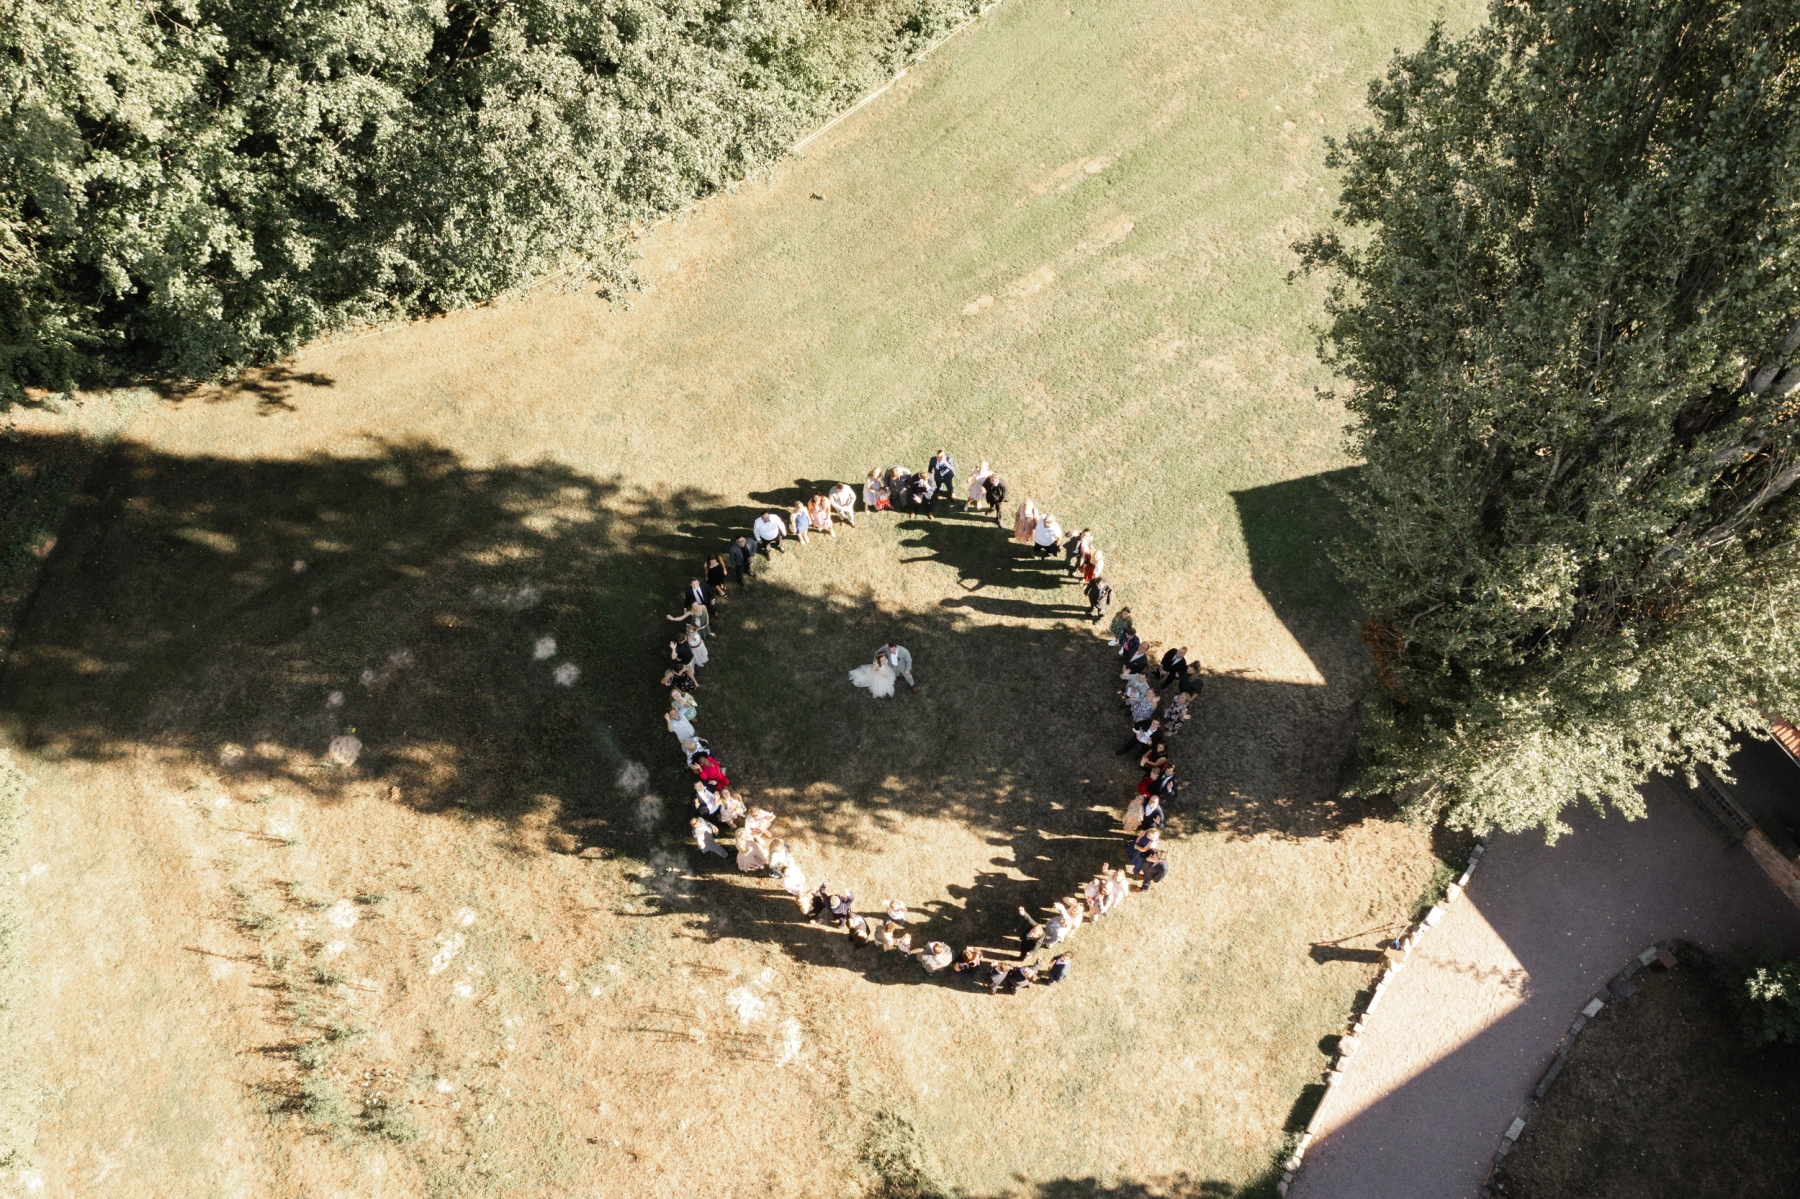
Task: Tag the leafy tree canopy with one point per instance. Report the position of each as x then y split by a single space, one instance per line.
190 185
1566 299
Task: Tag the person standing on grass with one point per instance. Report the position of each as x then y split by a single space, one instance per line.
995 490
715 584
1141 736
678 725
843 503
1173 667
943 473
1025 521
743 560
801 519
1099 594
769 529
937 955
1046 537
924 495
1121 625
1059 969
978 487
1142 846
1175 715
900 658
704 834
1075 548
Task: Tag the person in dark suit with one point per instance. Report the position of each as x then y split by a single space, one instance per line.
996 495
743 560
943 473
1174 667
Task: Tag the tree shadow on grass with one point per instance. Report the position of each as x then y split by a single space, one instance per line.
237 616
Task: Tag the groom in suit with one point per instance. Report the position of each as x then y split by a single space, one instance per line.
901 657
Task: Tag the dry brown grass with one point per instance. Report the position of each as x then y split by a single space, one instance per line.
1141 368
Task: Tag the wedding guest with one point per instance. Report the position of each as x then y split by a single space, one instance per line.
743 560
995 490
858 928
704 837
678 724
1031 938
1121 625
937 955
978 487
752 853
843 503
770 530
874 494
943 473
820 510
1156 868
710 772
697 617
1025 521
1046 537
1099 594
1141 846
970 962
896 911
1174 666
1141 736
1075 548
840 906
715 583
731 809
1020 977
690 707
801 520
1059 968
1175 715
681 677
994 978
708 804
696 646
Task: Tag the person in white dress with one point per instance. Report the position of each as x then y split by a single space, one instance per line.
697 645
978 487
878 677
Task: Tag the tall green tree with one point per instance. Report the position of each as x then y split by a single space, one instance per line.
190 185
1565 295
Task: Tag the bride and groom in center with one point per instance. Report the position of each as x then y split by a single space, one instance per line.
893 661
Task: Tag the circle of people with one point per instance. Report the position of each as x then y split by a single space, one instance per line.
1154 723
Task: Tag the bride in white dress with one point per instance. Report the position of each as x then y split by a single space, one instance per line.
878 678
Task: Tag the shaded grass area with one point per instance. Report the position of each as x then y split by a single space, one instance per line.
1662 1097
172 619
246 613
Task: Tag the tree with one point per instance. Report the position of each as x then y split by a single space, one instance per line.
1569 316
190 185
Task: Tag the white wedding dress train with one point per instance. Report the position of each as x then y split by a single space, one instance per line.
879 679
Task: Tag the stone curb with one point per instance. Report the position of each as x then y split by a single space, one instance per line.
1621 987
1400 949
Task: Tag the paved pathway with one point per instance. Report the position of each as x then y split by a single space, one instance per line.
1464 1031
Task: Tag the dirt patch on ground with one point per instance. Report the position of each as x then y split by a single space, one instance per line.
1663 1099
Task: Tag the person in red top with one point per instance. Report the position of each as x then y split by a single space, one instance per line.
711 773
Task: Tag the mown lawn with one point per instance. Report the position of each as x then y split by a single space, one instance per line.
1063 246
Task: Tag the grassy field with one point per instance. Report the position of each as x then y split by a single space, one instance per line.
1062 245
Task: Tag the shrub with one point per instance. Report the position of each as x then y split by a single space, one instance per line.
1770 1002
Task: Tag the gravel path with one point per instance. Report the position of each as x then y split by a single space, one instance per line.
1464 1031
